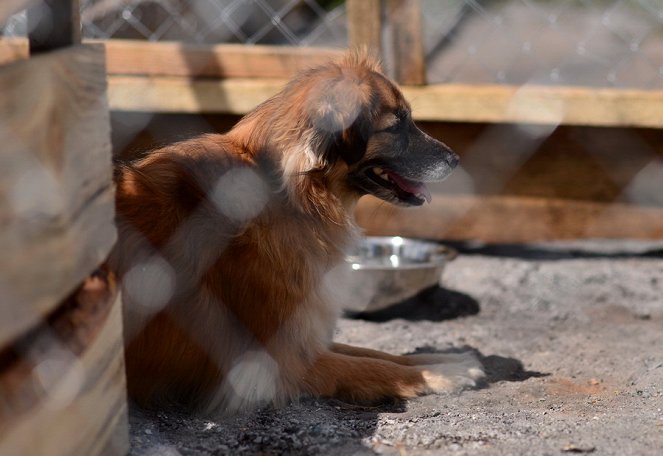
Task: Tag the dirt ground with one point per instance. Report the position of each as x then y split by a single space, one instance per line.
571 336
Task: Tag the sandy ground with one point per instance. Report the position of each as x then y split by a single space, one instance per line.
571 336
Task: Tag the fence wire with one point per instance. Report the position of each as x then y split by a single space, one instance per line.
282 22
613 43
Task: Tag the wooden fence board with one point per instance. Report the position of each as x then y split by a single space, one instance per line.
135 57
56 195
511 219
63 383
157 77
132 57
171 94
456 103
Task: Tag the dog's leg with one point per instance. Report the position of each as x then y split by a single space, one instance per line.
418 359
368 379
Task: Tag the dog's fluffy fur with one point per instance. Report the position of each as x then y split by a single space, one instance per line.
226 240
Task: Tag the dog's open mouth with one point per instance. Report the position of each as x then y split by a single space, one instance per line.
406 190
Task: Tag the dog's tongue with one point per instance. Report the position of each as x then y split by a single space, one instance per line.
416 188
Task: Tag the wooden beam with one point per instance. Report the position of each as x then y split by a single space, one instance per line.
365 24
132 57
405 32
563 105
170 94
510 219
455 103
56 192
144 58
54 24
554 105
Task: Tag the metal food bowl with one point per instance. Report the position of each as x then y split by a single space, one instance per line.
381 271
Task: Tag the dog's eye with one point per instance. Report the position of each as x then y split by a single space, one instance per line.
393 128
401 119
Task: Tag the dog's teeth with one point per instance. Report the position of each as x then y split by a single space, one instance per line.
380 172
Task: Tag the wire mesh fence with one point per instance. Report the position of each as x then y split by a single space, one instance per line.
613 43
282 22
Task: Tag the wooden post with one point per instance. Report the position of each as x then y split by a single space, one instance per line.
393 30
406 44
365 24
54 24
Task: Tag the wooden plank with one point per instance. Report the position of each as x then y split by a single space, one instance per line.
170 94
54 24
455 103
538 104
509 219
62 385
10 7
133 57
407 44
365 24
56 194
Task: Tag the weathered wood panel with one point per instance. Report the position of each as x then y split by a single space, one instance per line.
62 385
56 195
511 219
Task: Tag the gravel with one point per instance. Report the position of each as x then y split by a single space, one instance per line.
571 335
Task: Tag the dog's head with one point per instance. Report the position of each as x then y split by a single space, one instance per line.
359 119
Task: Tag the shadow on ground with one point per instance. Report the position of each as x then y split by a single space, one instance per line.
433 304
551 253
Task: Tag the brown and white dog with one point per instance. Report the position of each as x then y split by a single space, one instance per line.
226 240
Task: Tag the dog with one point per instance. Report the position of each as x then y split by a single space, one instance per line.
226 241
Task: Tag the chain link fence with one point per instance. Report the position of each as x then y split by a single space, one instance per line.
281 22
613 43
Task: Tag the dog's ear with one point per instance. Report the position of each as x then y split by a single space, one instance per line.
342 120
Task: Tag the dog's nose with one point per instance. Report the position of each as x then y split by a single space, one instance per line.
452 160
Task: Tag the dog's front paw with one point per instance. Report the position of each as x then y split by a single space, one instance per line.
463 372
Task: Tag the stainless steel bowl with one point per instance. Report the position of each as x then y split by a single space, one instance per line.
382 271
